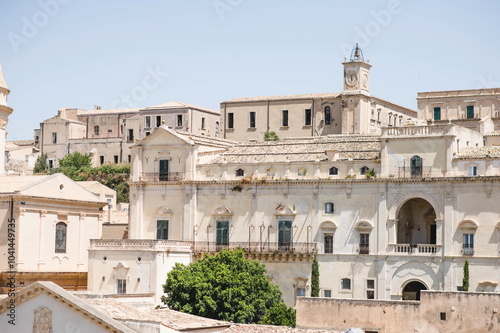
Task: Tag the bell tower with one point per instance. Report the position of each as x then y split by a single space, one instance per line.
5 112
357 73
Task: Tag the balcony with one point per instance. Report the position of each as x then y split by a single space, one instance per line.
257 250
468 249
416 173
140 245
364 248
161 176
412 131
416 249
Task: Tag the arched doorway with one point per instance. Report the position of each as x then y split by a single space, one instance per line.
411 291
416 223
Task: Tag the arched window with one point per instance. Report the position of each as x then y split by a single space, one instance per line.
240 173
364 170
60 243
329 208
96 130
328 115
216 129
333 171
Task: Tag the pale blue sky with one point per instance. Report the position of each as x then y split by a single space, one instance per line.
95 52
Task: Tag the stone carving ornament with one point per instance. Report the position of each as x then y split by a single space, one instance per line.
42 322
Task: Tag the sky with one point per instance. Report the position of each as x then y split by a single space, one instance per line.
126 53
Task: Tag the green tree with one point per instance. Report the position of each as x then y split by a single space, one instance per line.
226 286
315 277
465 280
271 136
279 314
41 164
75 165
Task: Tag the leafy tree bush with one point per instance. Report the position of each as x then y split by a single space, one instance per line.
41 164
271 136
315 277
465 281
226 286
77 166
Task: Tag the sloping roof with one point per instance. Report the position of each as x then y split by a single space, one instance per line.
254 328
56 186
179 105
63 296
21 144
169 318
355 147
479 152
282 97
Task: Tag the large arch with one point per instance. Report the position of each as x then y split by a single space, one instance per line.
402 199
412 271
416 223
411 290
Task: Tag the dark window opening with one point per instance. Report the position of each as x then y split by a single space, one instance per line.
252 119
284 119
307 117
328 115
115 158
230 120
179 120
101 160
60 243
162 229
437 113
333 171
158 121
329 243
240 173
470 111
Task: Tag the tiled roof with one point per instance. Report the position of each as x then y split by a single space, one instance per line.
355 147
205 140
282 97
253 328
479 152
170 318
107 111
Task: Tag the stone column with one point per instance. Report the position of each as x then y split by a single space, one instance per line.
439 234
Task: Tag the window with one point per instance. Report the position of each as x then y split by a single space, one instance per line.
202 123
54 137
101 159
162 229
121 286
328 115
416 166
302 172
470 111
51 164
327 293
301 292
364 170
115 159
307 117
130 137
252 119
129 158
222 233
148 133
437 113
147 123
364 243
370 289
240 173
329 208
163 170
158 121
468 245
230 120
284 118
216 128
60 243
284 234
346 284
179 120
472 171
96 130
328 243
442 316
333 171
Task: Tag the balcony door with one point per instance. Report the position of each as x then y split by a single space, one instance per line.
222 233
163 174
284 234
416 166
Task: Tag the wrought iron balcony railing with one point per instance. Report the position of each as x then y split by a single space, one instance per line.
256 247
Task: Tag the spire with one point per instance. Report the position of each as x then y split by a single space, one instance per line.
357 54
3 84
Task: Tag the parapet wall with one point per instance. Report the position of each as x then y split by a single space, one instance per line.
435 312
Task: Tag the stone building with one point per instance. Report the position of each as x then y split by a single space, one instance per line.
5 111
108 134
352 111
